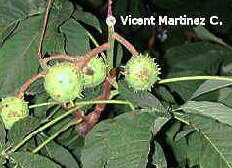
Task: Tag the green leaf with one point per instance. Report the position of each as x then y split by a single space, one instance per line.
120 142
164 94
176 150
7 31
195 148
159 159
76 144
59 154
61 10
21 128
29 160
209 86
36 88
119 55
200 56
202 153
185 88
204 34
2 141
64 137
158 124
13 10
88 19
2 133
142 99
89 94
215 111
41 112
225 96
77 39
54 43
212 121
18 57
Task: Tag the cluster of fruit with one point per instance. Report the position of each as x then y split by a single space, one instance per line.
65 82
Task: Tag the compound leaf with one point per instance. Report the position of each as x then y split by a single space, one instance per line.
29 160
120 142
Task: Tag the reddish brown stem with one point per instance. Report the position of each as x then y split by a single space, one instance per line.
79 61
126 43
82 61
62 56
97 50
43 30
26 85
109 8
79 114
93 117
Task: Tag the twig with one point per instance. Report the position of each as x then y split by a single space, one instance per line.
109 13
126 43
93 117
54 121
97 50
95 43
26 85
43 104
80 61
42 128
110 21
189 78
62 56
83 60
63 129
43 30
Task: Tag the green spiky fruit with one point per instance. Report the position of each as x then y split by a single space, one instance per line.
13 109
141 72
94 72
64 82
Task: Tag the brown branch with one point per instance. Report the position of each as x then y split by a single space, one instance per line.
43 30
109 13
93 117
62 56
97 50
80 61
26 85
83 60
79 114
126 43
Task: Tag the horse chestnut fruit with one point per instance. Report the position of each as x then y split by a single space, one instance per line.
141 72
13 109
64 82
94 72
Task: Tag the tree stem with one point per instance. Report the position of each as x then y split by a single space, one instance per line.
110 52
66 127
96 44
43 30
107 102
188 78
126 44
43 104
78 105
26 85
70 58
